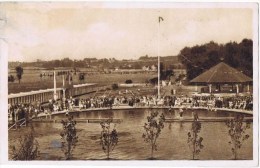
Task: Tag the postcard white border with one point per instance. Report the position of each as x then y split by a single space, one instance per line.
186 163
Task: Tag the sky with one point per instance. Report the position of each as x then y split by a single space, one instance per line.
56 30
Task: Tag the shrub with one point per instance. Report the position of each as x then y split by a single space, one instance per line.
68 136
194 141
27 148
129 81
114 86
108 138
11 78
154 81
153 129
237 133
81 76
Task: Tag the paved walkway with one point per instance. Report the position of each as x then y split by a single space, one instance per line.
125 107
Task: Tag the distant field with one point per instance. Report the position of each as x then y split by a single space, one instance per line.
119 78
31 80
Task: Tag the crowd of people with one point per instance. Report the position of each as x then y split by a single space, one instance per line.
20 111
211 102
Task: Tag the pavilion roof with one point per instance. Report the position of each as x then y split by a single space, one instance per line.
222 73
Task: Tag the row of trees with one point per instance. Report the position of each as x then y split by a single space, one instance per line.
196 59
199 58
99 63
28 146
165 74
19 74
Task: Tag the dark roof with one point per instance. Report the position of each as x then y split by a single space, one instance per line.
222 73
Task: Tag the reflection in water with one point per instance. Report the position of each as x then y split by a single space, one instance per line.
170 126
181 125
172 143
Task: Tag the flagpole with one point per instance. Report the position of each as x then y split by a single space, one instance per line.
63 82
158 41
69 78
63 85
54 90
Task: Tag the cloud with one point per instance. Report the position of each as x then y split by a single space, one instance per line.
78 30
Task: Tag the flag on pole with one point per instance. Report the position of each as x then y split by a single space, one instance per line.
160 19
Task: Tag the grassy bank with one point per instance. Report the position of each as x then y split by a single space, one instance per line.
33 81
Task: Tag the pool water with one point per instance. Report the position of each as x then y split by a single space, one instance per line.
172 143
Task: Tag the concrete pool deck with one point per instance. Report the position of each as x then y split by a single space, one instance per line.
147 107
167 120
43 117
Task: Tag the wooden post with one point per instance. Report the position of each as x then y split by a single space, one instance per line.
237 88
210 85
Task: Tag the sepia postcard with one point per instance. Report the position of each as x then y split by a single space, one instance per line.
129 83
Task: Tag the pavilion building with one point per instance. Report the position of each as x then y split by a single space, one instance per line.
224 78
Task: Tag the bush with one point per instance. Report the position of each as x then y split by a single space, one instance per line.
154 81
194 140
27 148
68 136
108 138
237 133
11 78
153 128
114 86
128 81
81 76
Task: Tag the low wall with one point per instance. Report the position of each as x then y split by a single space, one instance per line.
132 84
154 107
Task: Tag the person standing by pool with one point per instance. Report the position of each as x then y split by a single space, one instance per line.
195 116
13 114
181 113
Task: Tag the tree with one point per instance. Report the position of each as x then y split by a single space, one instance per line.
19 72
27 148
66 62
161 69
143 57
180 77
232 54
246 56
128 81
213 58
154 80
68 136
11 78
194 141
153 129
237 133
108 138
199 58
167 74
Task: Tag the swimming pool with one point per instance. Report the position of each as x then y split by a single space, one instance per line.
172 143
